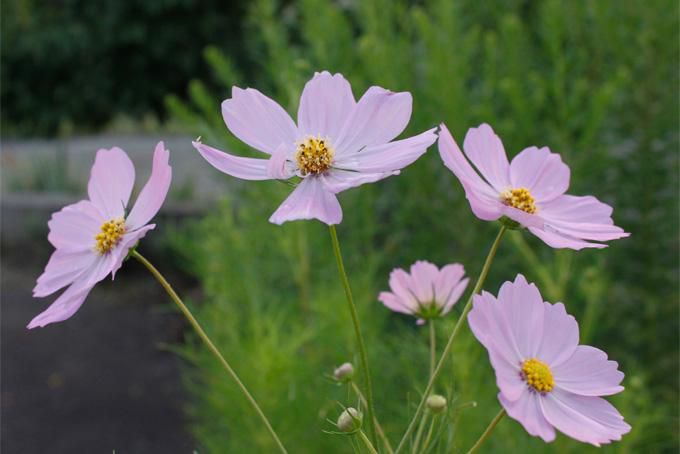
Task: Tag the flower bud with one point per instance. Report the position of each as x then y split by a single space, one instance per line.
350 420
436 403
344 372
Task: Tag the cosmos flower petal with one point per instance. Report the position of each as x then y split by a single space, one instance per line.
394 303
111 181
423 275
455 295
543 173
378 117
236 166
258 120
401 284
579 209
527 411
75 226
448 278
556 349
336 180
309 200
390 156
325 105
588 419
558 241
524 218
62 269
485 149
128 241
490 326
523 307
279 167
588 372
154 192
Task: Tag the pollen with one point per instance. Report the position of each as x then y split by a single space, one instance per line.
538 376
519 198
314 155
110 235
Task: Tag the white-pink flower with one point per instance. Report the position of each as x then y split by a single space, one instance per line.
530 190
93 237
338 143
547 380
427 292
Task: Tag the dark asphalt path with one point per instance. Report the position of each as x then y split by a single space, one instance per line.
98 382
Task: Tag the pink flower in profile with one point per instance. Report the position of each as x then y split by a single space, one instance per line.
530 190
338 143
427 292
93 237
546 380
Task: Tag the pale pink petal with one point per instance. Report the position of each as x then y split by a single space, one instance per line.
401 284
62 269
310 200
455 295
394 303
543 173
527 410
390 156
423 275
336 180
326 103
554 350
579 209
597 232
558 241
154 192
447 279
279 167
128 241
523 307
588 419
75 226
258 120
508 378
111 181
524 218
378 117
588 373
63 307
491 328
236 166
485 150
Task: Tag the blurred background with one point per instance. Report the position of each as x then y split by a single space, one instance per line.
594 81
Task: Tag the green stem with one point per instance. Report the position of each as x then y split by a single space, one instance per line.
357 331
378 427
367 442
494 422
204 337
419 434
433 347
454 333
430 431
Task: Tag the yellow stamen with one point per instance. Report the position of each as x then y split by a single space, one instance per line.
519 198
314 155
110 235
537 374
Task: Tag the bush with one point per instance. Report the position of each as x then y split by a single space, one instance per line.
589 79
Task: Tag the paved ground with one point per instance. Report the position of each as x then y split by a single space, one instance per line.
100 381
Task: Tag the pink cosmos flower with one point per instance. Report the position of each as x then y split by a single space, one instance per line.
530 190
338 143
93 237
546 380
427 292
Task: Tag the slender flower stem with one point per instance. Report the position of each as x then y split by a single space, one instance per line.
430 431
367 442
433 347
204 337
419 434
357 332
454 333
378 427
494 422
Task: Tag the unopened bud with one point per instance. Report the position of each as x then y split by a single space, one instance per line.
350 420
344 372
436 403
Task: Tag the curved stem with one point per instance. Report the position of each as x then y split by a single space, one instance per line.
367 442
488 431
378 427
454 333
206 340
433 347
357 331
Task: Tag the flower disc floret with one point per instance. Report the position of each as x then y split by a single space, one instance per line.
314 155
538 376
519 198
110 235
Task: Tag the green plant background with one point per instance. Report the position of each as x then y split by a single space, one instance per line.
594 81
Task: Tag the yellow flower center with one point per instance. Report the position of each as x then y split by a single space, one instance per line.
519 198
314 155
111 233
537 375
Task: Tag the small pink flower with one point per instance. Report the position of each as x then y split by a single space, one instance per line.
427 292
530 190
337 143
93 237
546 380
